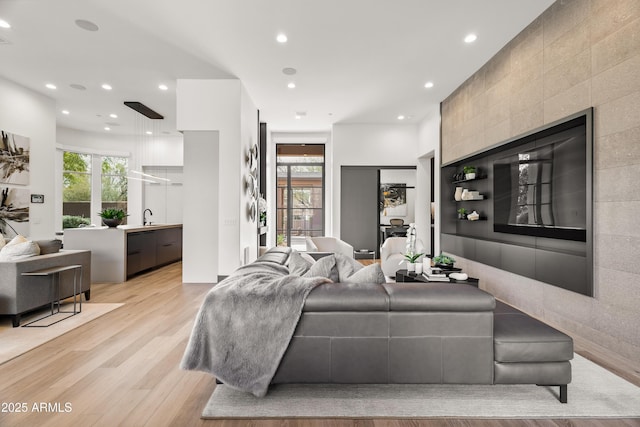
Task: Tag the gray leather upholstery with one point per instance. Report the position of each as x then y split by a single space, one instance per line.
347 297
368 341
278 255
520 338
437 297
528 351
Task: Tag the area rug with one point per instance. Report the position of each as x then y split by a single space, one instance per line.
594 392
17 341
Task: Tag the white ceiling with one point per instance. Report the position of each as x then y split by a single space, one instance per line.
358 61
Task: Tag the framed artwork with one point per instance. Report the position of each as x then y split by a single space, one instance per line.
14 159
393 200
14 207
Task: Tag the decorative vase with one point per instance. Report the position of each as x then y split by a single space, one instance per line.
465 195
111 222
411 267
458 195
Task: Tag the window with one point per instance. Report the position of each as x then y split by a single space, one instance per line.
300 193
76 189
114 183
80 196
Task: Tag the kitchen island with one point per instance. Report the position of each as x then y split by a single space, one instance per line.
119 253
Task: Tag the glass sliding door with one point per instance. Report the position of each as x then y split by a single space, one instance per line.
300 193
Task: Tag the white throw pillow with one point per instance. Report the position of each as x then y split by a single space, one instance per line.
370 274
19 248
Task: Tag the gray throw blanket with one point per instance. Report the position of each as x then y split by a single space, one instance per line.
245 324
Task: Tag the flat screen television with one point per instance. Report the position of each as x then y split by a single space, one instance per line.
540 187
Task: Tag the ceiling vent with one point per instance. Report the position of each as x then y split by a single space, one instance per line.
144 110
4 41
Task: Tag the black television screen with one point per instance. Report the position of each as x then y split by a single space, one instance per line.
541 188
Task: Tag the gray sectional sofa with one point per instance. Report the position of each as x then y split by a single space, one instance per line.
379 333
427 333
20 294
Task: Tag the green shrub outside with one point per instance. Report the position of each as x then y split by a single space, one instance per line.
73 221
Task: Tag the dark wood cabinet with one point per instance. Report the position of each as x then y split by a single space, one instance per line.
153 248
141 251
168 245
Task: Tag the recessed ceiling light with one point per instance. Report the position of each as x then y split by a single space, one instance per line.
113 116
86 25
289 71
291 85
298 116
107 128
65 112
400 117
163 87
50 86
282 38
470 38
428 85
4 24
106 86
149 132
77 86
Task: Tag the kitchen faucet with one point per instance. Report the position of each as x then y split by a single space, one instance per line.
144 216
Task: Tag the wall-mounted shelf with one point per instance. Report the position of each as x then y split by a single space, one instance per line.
469 180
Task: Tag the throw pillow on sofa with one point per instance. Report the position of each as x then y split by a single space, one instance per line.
346 266
298 265
19 248
369 274
49 246
324 267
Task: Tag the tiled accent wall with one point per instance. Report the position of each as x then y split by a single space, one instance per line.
577 54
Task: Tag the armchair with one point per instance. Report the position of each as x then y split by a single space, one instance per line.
391 254
329 244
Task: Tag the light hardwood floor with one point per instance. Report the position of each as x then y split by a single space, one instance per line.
122 369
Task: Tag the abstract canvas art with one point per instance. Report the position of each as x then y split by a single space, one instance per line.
14 207
393 199
14 159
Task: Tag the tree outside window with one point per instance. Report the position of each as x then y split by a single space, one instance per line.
114 182
76 189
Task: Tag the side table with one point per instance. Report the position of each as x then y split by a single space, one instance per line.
364 253
403 276
54 287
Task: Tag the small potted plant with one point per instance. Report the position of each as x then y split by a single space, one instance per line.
462 213
112 217
469 172
443 261
411 258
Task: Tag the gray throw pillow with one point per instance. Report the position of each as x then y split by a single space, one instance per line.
369 274
297 264
346 266
324 267
49 246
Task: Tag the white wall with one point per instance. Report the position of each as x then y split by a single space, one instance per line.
248 138
428 147
368 145
222 106
30 114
